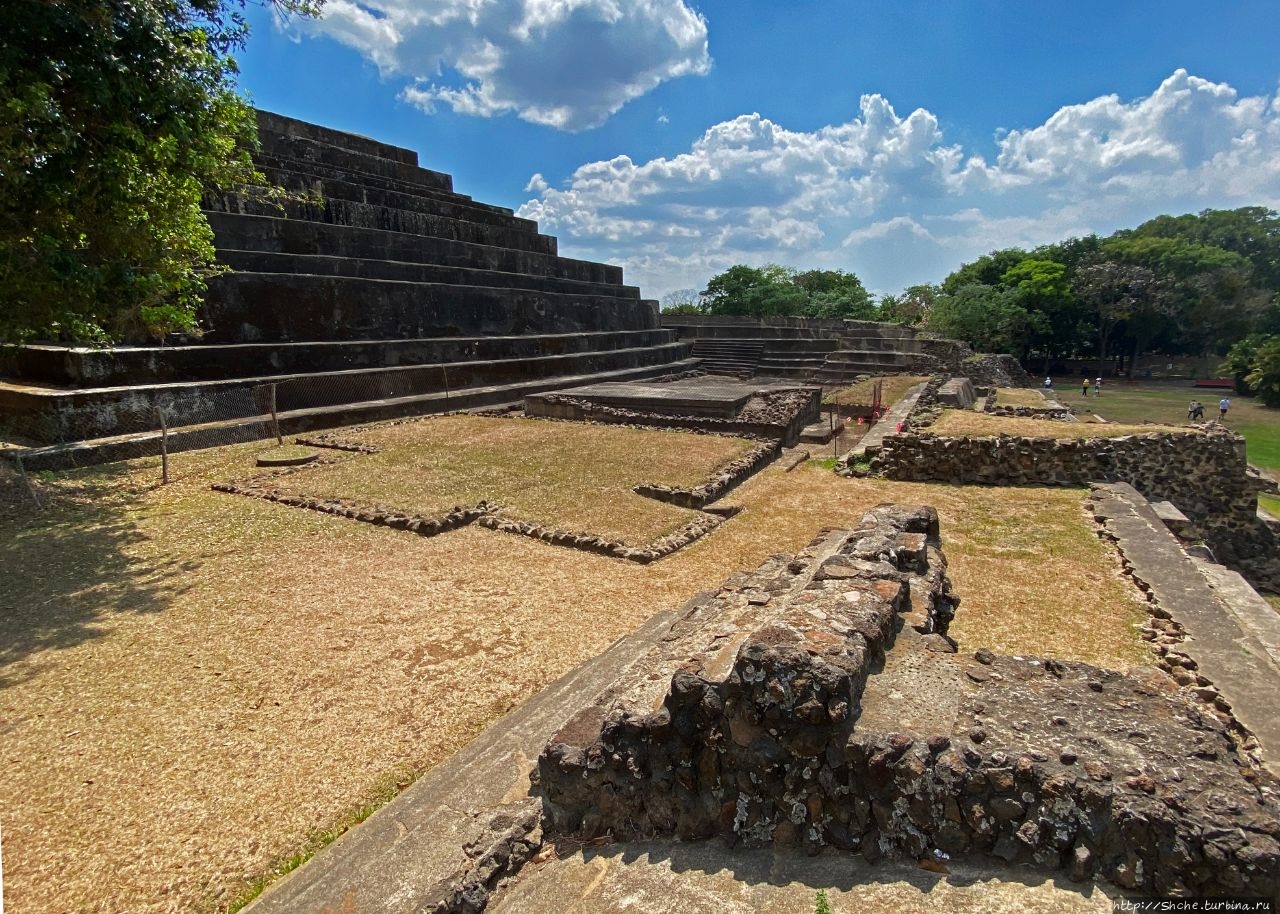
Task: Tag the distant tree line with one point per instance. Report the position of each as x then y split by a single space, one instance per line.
1205 285
774 291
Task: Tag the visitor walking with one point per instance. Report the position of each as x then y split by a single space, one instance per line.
1084 387
1097 387
1223 405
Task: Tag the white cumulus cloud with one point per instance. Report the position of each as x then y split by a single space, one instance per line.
887 196
567 64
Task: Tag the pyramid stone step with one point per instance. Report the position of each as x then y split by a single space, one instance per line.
263 307
253 428
51 415
293 236
91 367
336 185
270 122
304 169
499 231
312 151
327 265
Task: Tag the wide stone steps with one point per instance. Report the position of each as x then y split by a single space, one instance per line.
422 219
315 152
283 307
402 271
91 367
53 414
294 236
729 356
288 168
270 122
84 452
313 180
374 281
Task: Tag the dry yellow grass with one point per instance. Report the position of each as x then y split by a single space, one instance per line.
959 423
861 393
571 476
191 683
1019 396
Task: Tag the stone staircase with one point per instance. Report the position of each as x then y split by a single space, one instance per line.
825 351
376 289
735 357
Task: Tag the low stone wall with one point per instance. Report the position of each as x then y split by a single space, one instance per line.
1204 473
727 478
778 416
1055 764
1052 411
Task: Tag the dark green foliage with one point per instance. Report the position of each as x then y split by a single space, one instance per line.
774 291
1240 361
988 318
1190 284
1264 379
1251 232
821 904
115 117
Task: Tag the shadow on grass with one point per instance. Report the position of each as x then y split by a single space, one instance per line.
67 567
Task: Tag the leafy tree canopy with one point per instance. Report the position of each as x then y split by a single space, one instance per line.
777 291
115 117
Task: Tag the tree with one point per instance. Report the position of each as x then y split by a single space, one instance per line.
1264 379
835 294
116 116
912 307
987 270
682 301
1115 292
772 290
1251 232
1054 318
988 318
1207 301
1240 361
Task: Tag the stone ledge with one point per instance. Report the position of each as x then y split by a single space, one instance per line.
726 478
754 737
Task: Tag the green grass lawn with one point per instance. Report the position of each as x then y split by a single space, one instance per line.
1166 402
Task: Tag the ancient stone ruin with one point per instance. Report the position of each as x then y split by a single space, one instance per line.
377 291
766 717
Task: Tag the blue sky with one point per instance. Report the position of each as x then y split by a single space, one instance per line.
893 139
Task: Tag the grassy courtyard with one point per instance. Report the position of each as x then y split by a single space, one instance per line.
862 393
1166 402
194 686
967 422
571 476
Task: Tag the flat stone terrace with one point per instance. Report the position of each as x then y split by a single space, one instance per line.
713 403
375 282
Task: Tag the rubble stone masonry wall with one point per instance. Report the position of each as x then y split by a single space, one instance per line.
755 737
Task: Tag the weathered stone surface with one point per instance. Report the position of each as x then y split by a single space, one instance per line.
1062 766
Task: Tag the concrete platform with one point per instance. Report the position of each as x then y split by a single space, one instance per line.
722 399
